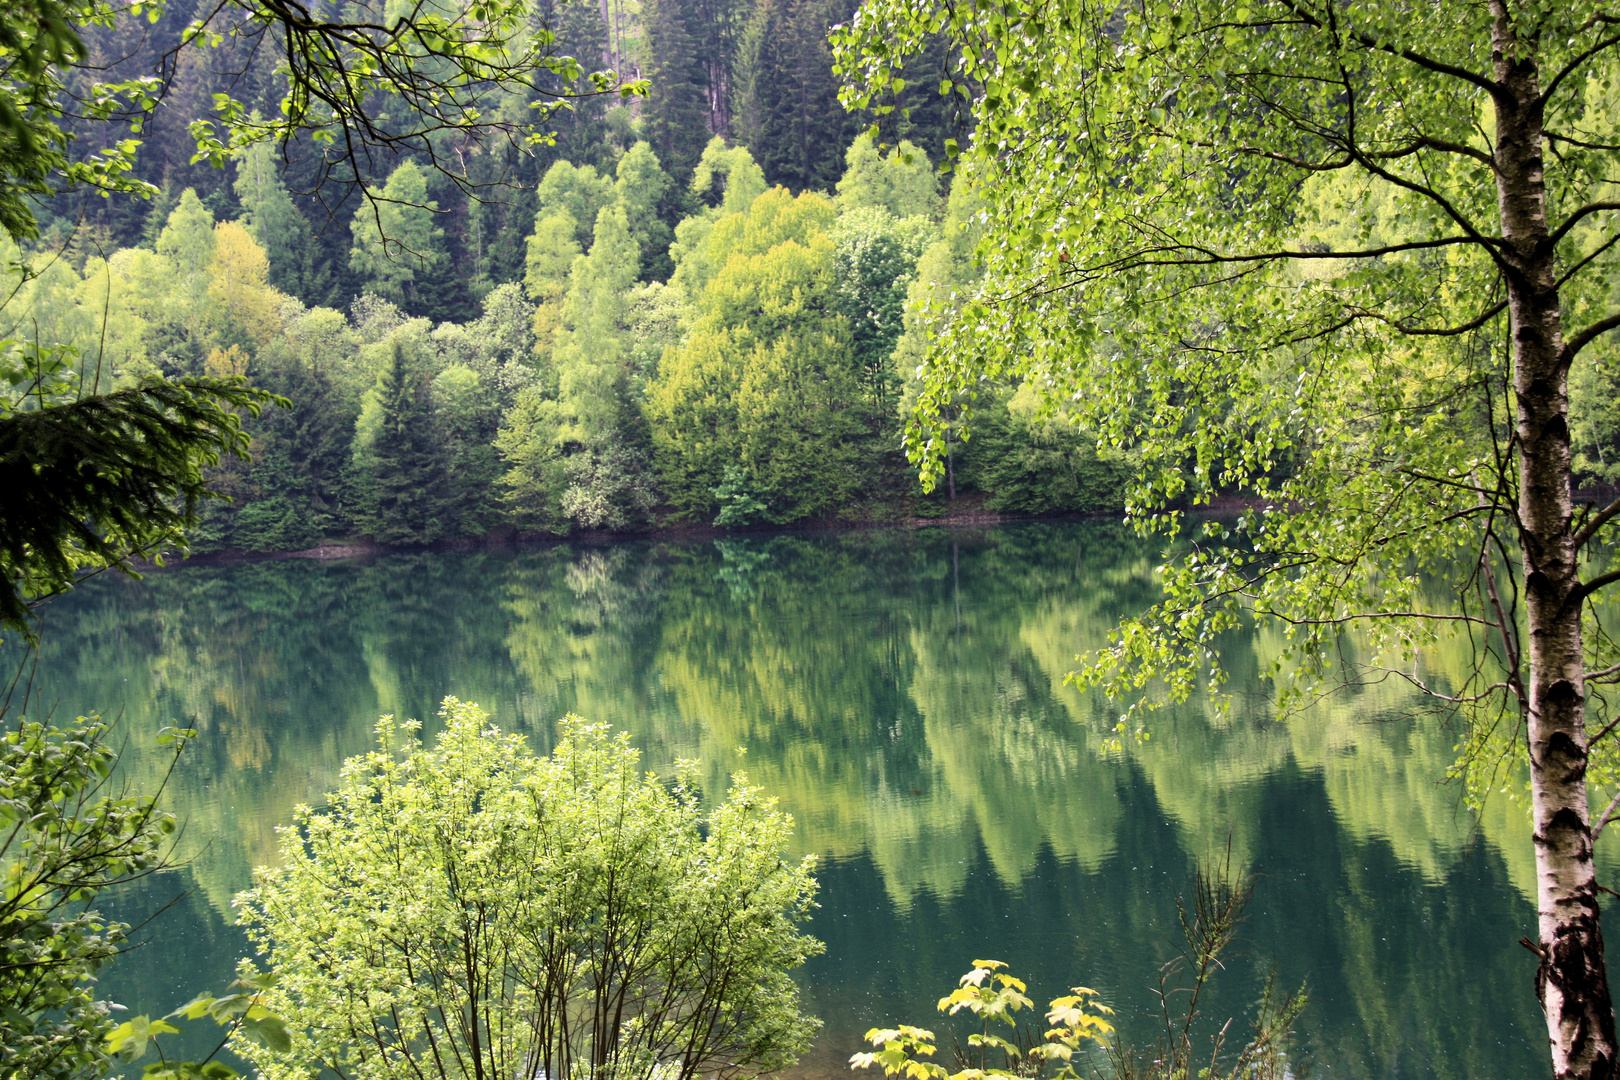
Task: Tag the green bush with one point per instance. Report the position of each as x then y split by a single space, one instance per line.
475 910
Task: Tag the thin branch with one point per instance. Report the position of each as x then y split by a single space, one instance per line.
1601 519
1576 216
1587 588
1606 817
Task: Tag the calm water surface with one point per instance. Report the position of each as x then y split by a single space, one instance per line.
903 693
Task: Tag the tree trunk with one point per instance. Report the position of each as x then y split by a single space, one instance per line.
1571 980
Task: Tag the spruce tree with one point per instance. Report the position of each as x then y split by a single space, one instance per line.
406 501
677 108
794 123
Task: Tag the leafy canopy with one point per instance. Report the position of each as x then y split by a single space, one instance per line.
1260 245
471 909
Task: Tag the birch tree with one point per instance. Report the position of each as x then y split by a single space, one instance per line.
1340 256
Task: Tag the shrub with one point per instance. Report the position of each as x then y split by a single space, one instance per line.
474 910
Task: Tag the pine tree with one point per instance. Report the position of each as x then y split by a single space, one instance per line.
677 108
793 121
298 462
406 499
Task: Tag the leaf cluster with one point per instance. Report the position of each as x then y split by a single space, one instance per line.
65 835
472 909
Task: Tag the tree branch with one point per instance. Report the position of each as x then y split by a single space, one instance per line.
1590 529
1575 344
1574 218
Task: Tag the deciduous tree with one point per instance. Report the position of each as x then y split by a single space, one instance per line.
1183 246
473 910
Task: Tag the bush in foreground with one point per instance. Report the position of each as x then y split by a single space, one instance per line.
475 910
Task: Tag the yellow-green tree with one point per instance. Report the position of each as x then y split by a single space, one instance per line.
766 381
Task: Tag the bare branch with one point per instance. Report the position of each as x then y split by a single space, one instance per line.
1576 216
1607 816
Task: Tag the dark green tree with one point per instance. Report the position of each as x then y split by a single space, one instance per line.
299 457
405 503
677 104
790 118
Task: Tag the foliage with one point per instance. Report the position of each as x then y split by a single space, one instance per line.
903 181
995 997
876 260
789 115
240 1013
738 503
395 241
66 834
1339 258
766 379
97 481
1030 464
640 187
405 500
473 909
1209 927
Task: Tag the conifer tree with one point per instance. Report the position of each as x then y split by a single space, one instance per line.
405 501
793 122
677 107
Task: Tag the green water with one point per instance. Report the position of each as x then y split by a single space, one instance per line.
903 694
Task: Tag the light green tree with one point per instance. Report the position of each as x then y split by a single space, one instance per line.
903 182
66 835
552 249
765 381
639 187
395 240
729 180
589 355
580 192
531 448
269 214
1380 359
876 260
179 294
473 910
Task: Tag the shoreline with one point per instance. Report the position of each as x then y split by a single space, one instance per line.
969 516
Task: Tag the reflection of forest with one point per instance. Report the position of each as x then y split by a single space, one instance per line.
904 695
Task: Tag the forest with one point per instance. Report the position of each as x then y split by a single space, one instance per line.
689 308
1337 271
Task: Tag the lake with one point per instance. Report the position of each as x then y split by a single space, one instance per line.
903 693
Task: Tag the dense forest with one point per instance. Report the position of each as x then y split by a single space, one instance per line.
706 305
690 307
